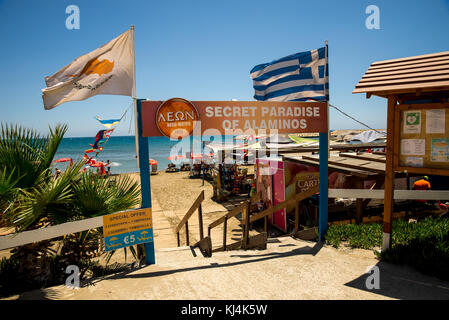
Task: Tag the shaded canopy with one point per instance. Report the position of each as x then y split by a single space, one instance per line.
369 136
279 139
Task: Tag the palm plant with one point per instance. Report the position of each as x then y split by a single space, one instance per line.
30 198
48 202
8 191
95 196
26 154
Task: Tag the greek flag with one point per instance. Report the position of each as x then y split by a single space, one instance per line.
298 77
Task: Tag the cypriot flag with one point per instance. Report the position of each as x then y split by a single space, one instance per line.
106 70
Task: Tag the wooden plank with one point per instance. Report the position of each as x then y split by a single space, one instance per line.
442 95
389 174
307 235
200 221
412 58
359 204
402 72
247 222
258 241
225 229
349 171
26 237
296 218
395 76
403 88
235 211
192 209
298 197
187 233
365 156
411 62
434 91
356 146
370 166
333 147
402 80
441 63
427 171
205 246
398 194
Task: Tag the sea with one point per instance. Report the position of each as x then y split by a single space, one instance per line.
121 151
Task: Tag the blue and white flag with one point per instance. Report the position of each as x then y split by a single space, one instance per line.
298 77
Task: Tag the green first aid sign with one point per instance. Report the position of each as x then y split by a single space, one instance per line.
413 118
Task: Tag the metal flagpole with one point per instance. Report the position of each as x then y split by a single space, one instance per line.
142 156
135 97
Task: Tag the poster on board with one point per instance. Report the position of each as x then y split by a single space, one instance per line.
412 122
435 121
440 150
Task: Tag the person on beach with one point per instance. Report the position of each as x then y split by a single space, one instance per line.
57 172
109 167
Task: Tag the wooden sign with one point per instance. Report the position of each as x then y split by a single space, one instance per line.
422 135
127 228
179 118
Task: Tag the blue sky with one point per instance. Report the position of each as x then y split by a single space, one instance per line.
204 50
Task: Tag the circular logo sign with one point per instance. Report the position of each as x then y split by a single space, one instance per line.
176 117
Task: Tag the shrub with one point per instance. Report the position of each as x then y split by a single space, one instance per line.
423 245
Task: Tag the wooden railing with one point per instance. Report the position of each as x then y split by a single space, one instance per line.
247 218
268 212
185 221
242 208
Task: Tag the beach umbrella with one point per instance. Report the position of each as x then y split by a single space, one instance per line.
152 161
197 156
176 157
98 164
63 160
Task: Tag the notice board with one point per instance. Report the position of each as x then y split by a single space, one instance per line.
422 138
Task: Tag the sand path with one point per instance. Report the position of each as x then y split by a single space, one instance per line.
172 194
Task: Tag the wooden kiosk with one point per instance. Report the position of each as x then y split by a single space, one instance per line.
417 89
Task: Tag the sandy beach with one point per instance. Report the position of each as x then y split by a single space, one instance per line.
172 194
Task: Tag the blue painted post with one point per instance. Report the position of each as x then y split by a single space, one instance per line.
324 165
324 185
145 185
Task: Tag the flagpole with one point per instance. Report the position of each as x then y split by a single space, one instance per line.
142 154
135 97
